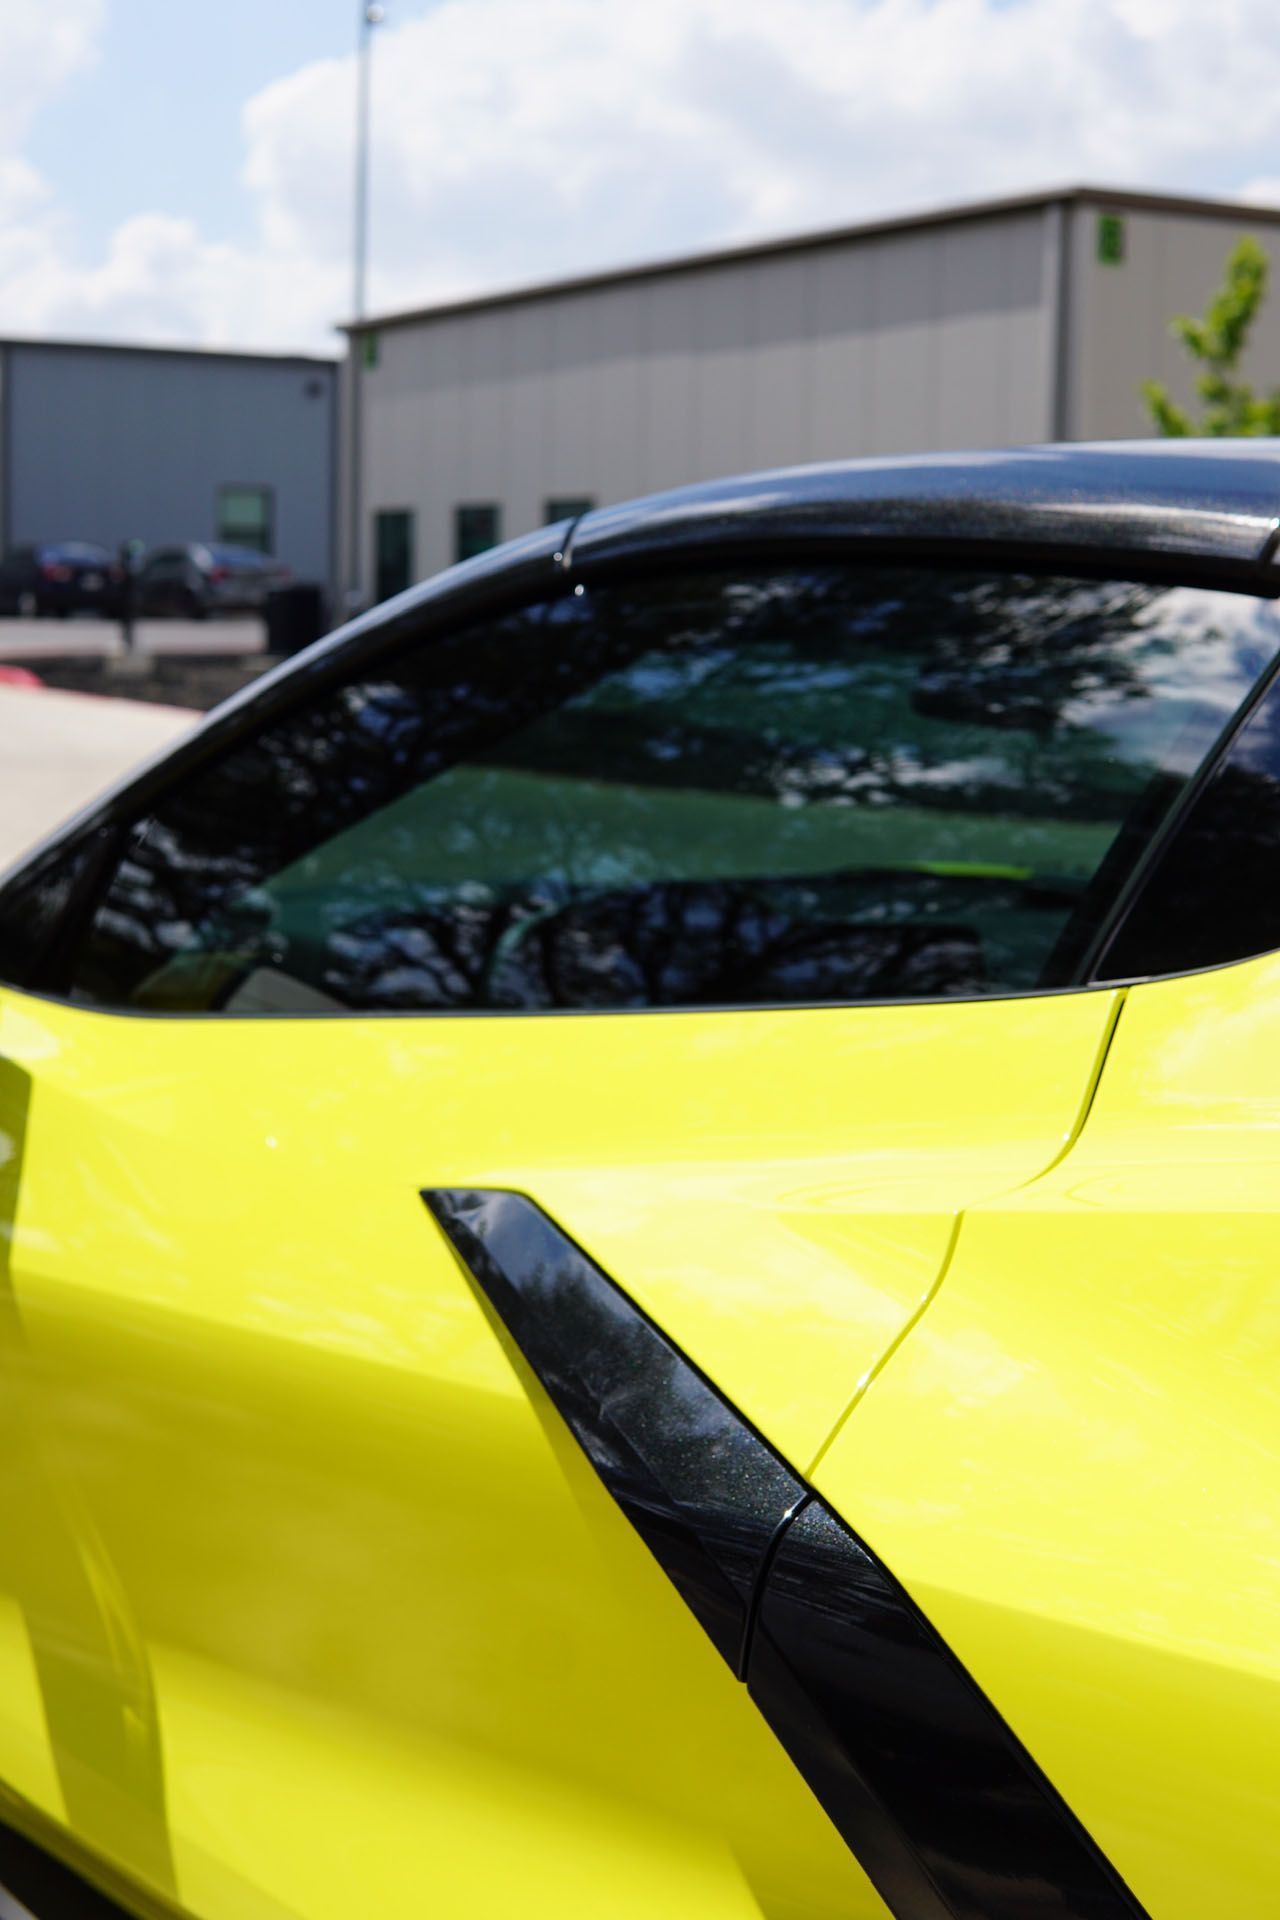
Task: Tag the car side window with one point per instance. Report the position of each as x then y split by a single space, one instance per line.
802 785
1213 894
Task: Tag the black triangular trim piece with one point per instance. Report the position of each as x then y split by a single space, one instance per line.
940 1802
945 1810
705 1491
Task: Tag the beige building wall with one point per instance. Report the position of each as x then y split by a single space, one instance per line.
1118 330
897 342
988 326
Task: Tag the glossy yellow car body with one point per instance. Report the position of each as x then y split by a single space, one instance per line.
327 1557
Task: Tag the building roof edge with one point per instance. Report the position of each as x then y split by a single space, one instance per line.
1136 200
251 355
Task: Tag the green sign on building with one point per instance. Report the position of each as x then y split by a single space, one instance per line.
1111 239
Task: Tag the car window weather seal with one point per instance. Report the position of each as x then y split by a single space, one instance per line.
944 1809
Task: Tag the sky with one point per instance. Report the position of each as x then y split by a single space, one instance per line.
173 171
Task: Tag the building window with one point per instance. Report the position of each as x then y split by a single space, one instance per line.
567 506
393 551
475 530
247 518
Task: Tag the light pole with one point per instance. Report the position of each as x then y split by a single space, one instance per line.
370 17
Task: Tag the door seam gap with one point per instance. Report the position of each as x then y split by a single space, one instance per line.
1077 1128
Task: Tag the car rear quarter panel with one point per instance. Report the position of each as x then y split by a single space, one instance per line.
1074 1463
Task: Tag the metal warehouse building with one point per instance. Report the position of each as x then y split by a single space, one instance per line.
984 325
109 443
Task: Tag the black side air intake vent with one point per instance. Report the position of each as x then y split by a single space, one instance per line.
949 1816
703 1490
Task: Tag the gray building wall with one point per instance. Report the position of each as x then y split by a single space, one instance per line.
111 444
905 341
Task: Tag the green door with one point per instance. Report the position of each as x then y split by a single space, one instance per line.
393 547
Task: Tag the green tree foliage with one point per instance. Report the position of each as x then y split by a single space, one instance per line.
1216 344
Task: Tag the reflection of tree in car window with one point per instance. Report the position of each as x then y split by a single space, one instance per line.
812 784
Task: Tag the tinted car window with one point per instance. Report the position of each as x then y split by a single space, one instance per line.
1214 895
808 785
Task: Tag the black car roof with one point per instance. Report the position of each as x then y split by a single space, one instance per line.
1211 500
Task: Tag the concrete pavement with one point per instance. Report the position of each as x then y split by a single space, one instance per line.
57 750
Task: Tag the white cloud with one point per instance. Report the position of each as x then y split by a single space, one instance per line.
41 47
38 55
161 281
517 141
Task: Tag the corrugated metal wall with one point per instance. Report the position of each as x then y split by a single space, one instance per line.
1120 313
892 343
111 445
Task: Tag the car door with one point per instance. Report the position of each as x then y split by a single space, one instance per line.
726 915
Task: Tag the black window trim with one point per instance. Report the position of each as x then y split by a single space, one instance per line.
1149 862
542 566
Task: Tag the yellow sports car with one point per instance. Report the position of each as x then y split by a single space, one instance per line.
640 1233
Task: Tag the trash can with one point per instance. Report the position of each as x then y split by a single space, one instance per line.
295 617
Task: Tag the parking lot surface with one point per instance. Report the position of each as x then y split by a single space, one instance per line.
57 750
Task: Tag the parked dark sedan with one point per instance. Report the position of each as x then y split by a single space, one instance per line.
72 576
199 578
